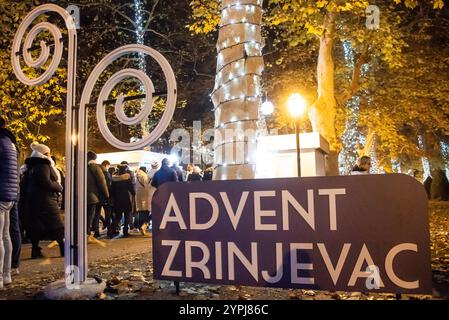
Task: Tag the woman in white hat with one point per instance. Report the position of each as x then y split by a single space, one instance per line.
40 189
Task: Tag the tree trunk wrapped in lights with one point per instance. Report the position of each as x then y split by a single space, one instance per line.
236 95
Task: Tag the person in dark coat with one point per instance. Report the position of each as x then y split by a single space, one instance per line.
208 174
62 175
165 174
97 193
111 231
8 198
105 166
189 171
123 192
39 194
9 174
128 170
427 183
195 175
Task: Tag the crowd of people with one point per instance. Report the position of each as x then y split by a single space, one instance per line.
32 199
125 195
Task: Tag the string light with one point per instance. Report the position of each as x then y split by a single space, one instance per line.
224 165
348 156
226 45
225 84
247 119
246 98
140 32
235 64
140 37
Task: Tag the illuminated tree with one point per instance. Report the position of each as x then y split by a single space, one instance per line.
323 24
28 110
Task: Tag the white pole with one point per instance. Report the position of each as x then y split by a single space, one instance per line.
70 260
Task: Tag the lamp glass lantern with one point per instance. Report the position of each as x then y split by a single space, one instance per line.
296 106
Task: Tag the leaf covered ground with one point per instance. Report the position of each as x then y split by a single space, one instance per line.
126 266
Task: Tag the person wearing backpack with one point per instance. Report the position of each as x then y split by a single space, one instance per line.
123 192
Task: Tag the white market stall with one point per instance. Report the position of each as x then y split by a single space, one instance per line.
135 159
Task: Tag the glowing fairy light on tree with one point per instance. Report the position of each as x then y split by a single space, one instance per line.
351 136
424 160
140 32
140 39
237 91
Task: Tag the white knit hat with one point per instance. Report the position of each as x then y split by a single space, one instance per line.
41 148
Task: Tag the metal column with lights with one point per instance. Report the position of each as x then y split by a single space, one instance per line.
237 92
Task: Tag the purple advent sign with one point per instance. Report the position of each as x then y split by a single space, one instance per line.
352 233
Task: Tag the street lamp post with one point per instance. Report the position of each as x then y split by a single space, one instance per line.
297 105
298 153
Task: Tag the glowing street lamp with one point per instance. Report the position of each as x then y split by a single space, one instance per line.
296 106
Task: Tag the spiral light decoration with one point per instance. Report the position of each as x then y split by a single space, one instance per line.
45 48
119 105
25 51
120 112
236 95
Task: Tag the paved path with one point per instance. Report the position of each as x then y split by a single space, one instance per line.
126 264
114 249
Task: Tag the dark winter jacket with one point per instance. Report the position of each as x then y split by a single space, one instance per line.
164 174
39 200
122 193
8 167
208 175
97 188
194 177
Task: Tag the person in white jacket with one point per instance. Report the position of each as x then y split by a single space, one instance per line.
144 196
